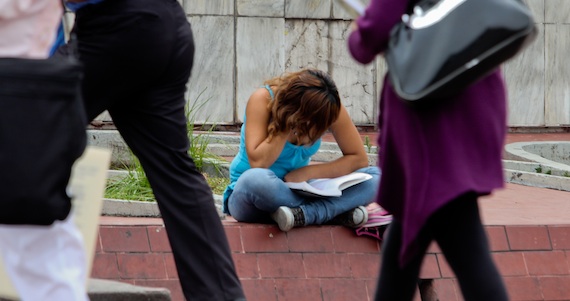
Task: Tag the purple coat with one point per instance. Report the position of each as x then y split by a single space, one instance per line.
428 158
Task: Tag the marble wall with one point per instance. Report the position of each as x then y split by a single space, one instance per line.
240 43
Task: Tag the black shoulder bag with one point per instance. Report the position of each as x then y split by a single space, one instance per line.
442 46
42 133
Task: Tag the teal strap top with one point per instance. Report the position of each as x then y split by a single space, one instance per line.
270 92
292 157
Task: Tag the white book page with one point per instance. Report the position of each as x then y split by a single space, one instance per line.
329 187
308 190
340 183
88 180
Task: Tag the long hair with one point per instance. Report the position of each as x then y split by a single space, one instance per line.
306 101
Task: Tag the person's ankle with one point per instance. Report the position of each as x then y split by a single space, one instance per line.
288 218
352 218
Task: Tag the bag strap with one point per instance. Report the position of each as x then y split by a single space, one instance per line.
71 37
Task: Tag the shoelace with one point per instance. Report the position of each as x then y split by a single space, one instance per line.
299 217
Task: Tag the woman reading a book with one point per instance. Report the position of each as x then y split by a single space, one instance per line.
282 129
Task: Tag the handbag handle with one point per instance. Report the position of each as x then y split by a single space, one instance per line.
71 36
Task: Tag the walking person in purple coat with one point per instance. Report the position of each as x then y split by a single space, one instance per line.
437 163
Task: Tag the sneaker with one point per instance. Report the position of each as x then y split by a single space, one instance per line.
353 218
287 218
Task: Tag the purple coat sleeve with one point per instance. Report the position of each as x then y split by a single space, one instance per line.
371 36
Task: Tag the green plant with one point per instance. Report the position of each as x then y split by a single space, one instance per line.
367 144
199 141
218 184
548 172
371 149
135 184
566 174
538 169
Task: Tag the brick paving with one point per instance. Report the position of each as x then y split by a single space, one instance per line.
528 229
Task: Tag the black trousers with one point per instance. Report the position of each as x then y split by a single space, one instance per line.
461 237
138 56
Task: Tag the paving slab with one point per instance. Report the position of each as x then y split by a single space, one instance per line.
525 205
108 290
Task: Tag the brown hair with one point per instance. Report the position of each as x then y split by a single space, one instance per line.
306 101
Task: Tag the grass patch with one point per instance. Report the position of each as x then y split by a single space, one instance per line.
135 185
218 185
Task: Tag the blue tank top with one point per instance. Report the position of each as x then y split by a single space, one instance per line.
292 157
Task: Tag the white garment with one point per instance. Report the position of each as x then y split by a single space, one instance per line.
28 27
45 263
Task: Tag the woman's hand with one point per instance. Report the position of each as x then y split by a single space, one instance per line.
353 26
261 152
294 138
297 175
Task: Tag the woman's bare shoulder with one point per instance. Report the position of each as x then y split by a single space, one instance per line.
260 96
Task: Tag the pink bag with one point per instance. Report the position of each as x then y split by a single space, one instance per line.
378 220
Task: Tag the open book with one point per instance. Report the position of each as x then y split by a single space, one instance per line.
328 186
354 8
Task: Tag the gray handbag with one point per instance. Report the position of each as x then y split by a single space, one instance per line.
442 46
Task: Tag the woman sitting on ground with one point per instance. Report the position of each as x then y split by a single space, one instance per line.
282 129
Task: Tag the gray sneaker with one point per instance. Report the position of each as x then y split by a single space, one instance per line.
353 218
287 218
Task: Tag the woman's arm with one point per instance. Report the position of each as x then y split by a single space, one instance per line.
353 154
373 29
260 152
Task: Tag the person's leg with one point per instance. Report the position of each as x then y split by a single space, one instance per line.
322 210
138 56
258 193
458 230
199 244
397 283
45 263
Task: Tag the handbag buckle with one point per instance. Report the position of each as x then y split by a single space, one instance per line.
433 14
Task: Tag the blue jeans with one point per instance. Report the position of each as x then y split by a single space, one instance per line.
259 192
